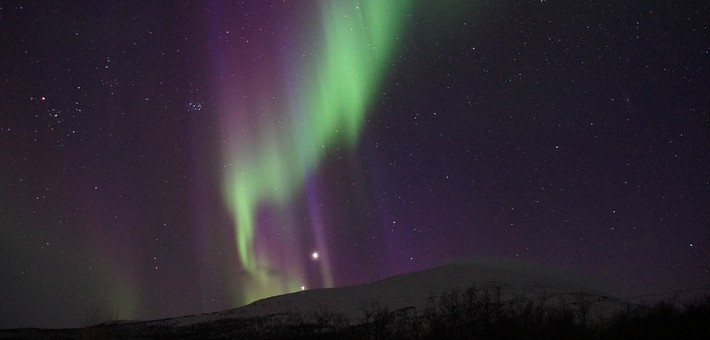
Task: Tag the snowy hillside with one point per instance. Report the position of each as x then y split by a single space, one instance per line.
502 280
481 298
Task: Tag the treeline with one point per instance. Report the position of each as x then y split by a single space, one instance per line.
469 314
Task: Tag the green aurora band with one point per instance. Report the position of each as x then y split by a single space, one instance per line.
356 44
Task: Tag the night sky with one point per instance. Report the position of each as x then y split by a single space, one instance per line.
167 158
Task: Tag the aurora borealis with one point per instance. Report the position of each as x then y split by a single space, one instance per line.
165 159
289 130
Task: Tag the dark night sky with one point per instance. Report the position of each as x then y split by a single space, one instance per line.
570 133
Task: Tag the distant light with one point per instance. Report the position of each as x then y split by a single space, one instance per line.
303 287
314 256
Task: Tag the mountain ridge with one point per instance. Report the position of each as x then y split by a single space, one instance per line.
511 278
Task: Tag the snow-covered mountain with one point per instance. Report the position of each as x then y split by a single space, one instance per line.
503 281
455 297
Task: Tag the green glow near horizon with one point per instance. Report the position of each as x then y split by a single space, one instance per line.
327 111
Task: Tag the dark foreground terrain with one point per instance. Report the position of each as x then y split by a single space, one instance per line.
455 315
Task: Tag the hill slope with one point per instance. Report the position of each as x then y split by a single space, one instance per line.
502 280
474 297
